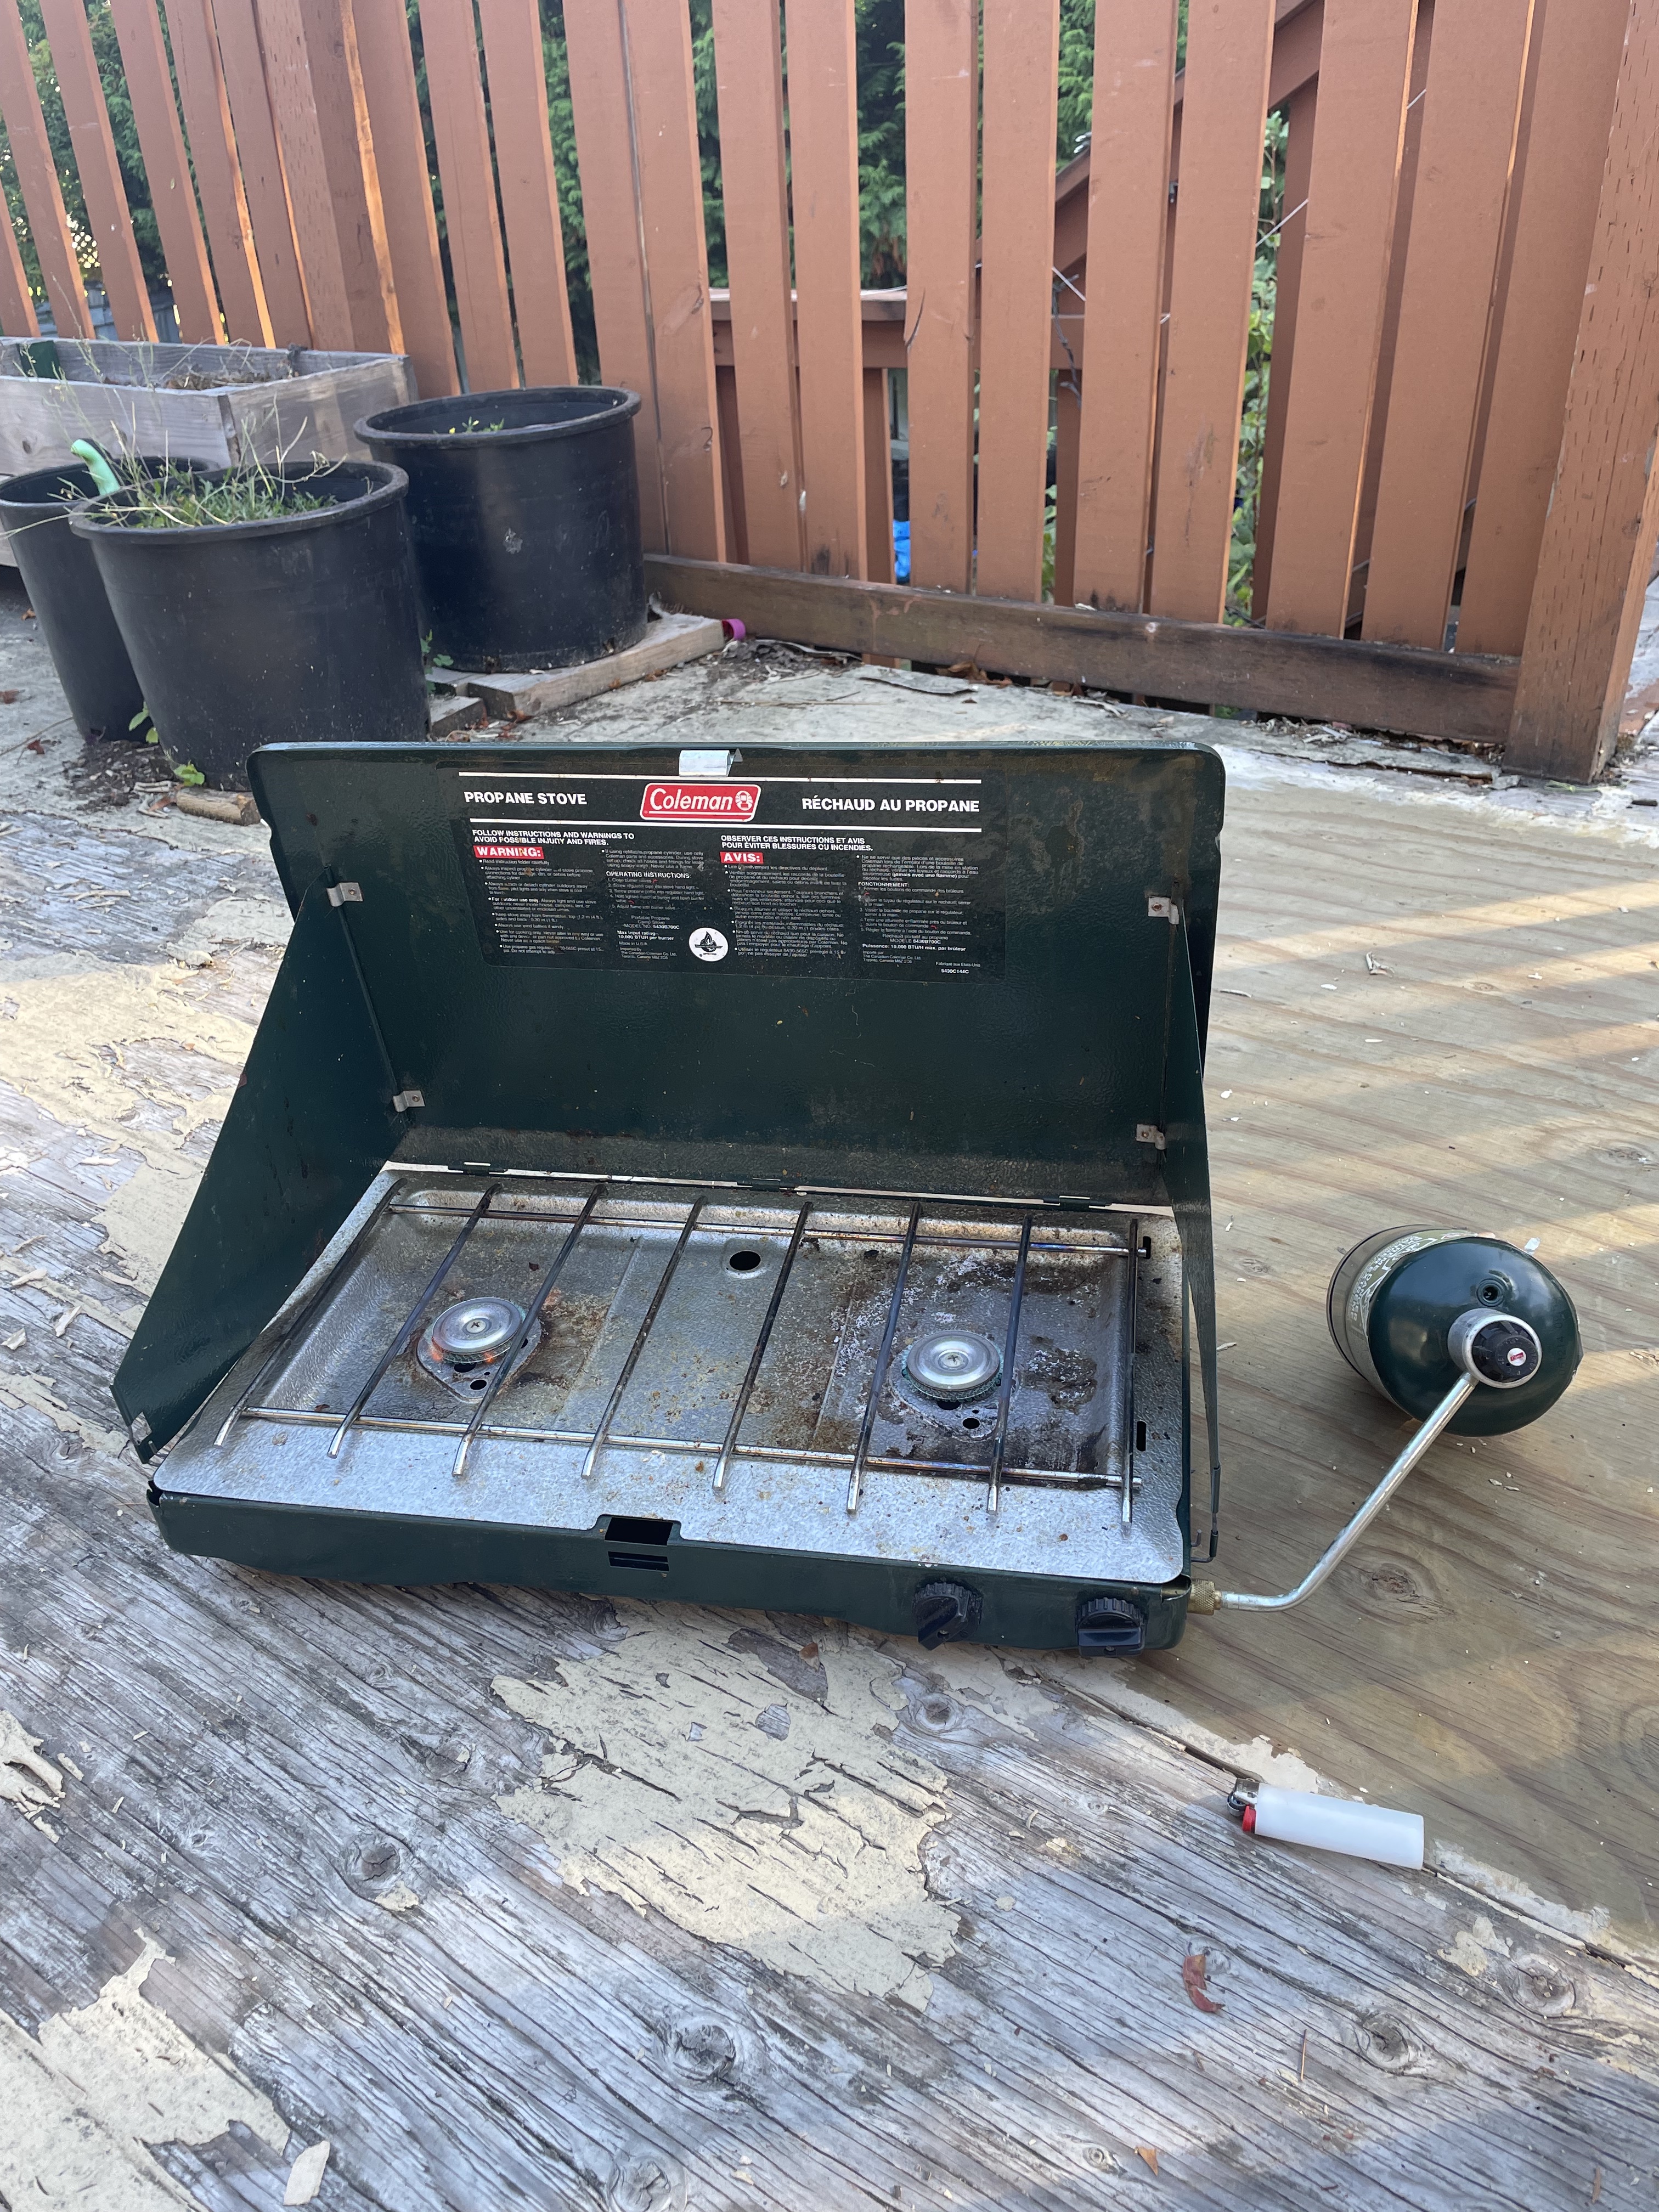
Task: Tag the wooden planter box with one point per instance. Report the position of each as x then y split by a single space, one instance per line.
196 403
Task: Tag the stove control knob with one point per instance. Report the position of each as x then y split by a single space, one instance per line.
945 1612
1109 1624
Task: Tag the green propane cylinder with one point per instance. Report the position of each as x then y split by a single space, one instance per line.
1410 1309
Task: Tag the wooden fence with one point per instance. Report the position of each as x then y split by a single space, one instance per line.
1464 396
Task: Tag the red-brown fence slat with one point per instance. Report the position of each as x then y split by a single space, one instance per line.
529 198
108 217
259 162
878 480
411 229
166 168
941 146
823 93
749 83
462 132
1068 423
335 67
1301 110
659 33
37 179
1017 239
1228 48
604 156
1469 114
17 315
1598 539
1364 86
1128 206
1581 42
294 111
194 38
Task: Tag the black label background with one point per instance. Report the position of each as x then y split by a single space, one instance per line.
901 878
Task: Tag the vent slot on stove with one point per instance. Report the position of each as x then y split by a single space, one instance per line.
624 1529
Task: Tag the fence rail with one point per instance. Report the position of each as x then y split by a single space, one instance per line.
1455 456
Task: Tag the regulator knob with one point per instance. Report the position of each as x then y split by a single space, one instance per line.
945 1612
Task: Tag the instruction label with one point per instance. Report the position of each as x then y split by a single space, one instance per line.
871 876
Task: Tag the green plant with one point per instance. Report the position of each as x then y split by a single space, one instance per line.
152 735
186 772
429 660
178 498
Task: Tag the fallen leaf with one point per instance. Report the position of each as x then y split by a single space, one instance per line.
1194 1968
1145 2151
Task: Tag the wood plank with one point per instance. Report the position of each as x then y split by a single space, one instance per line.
335 68
1598 543
529 190
1128 213
754 192
166 168
296 115
1377 687
193 38
17 317
37 180
941 187
878 480
1300 114
823 94
1470 113
259 162
461 130
604 153
669 642
1229 47
1580 44
1363 85
1069 425
411 229
1016 227
108 217
670 171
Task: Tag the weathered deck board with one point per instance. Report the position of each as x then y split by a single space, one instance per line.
297 1791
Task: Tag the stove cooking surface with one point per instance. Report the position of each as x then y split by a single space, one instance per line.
938 1381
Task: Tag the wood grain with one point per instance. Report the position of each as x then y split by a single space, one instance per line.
1476 71
1017 229
253 114
1364 79
166 168
754 194
92 144
193 37
1580 42
296 112
529 189
604 155
1229 47
461 130
941 188
411 229
878 480
1372 686
822 95
1597 549
669 164
1300 114
16 307
1068 426
37 180
1128 210
336 82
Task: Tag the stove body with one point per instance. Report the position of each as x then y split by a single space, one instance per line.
698 1185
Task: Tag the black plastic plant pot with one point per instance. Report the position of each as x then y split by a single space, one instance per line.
524 511
303 628
60 575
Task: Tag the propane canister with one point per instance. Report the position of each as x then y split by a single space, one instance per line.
1396 1299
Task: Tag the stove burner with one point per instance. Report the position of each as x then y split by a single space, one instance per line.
953 1365
470 1338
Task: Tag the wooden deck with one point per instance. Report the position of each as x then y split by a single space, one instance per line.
521 1901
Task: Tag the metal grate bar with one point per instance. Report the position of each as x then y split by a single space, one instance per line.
1005 1393
855 1479
965 1470
602 1432
503 1366
401 1341
759 1351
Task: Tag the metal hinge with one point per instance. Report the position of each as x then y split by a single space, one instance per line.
345 894
1162 909
403 1100
1148 1133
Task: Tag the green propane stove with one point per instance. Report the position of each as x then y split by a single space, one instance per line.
774 1180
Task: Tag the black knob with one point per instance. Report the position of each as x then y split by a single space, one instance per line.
945 1612
1109 1624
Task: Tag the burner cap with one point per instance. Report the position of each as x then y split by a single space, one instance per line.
475 1331
953 1364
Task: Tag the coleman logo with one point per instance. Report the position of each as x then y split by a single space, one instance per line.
700 802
